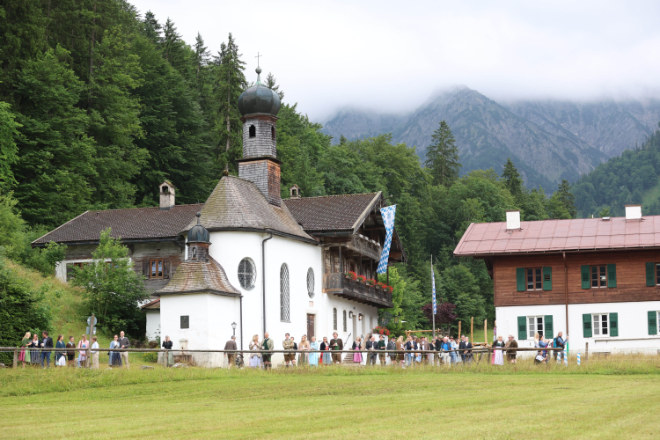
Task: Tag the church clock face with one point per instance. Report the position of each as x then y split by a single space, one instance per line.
247 273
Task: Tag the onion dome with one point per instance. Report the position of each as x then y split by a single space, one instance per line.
259 99
198 233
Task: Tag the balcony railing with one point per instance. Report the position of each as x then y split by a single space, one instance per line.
338 284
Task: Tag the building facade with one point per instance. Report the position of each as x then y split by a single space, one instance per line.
595 280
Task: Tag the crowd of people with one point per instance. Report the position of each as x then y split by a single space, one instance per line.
71 353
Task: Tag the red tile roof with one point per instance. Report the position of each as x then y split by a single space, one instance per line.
129 224
591 234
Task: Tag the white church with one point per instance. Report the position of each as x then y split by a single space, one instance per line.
246 261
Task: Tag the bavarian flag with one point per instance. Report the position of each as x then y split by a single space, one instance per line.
388 220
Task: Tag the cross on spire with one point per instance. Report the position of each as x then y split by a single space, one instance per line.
258 57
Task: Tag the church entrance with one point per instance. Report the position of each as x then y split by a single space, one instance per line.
311 320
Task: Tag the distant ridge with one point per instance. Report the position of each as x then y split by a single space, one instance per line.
547 140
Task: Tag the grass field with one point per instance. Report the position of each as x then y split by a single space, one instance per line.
613 399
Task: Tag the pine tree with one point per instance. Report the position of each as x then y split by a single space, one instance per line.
512 180
8 149
442 156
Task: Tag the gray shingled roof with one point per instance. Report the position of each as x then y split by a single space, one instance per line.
345 212
129 224
237 204
199 277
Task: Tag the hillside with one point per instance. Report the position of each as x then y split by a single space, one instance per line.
547 140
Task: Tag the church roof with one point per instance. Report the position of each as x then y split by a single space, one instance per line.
133 224
344 212
237 204
199 277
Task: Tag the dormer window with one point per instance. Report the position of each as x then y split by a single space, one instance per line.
252 131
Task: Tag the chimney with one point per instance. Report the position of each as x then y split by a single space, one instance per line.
633 212
166 195
512 220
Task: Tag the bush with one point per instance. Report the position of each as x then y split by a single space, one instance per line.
150 357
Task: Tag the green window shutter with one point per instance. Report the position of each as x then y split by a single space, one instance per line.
520 280
650 274
547 278
586 325
614 324
653 322
522 328
547 324
586 277
611 275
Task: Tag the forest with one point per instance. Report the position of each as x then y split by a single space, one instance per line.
96 115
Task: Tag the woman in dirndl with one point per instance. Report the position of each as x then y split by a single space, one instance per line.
255 355
26 342
35 353
498 351
314 357
60 355
115 356
357 345
304 347
326 359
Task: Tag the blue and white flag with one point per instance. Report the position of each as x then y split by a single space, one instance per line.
388 220
435 304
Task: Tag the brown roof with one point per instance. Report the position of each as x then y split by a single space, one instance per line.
345 212
481 239
129 224
151 305
199 277
237 204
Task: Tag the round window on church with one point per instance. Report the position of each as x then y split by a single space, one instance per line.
247 273
310 282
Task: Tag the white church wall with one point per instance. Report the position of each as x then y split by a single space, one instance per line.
153 324
632 325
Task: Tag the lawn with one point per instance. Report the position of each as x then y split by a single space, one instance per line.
608 400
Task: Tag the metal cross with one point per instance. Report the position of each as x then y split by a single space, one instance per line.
257 57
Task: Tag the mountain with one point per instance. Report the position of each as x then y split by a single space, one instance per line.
547 140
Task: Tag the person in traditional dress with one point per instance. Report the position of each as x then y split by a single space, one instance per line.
498 351
304 347
336 344
357 345
35 354
70 351
267 345
24 355
453 355
325 347
287 344
60 359
399 347
82 353
314 357
255 355
511 351
115 357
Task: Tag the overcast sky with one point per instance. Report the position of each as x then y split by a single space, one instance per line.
393 55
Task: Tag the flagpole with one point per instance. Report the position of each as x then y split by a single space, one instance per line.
433 309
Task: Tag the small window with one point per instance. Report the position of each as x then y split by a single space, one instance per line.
534 281
247 273
334 318
599 276
285 305
535 324
185 321
310 282
345 326
156 268
252 131
601 323
272 132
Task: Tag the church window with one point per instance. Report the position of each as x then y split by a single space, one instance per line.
247 273
185 321
310 282
345 324
252 131
334 318
156 268
272 132
285 312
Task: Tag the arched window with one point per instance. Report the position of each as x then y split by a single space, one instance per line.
334 318
247 273
345 321
272 132
310 282
252 131
285 309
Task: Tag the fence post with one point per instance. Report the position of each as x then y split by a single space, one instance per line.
15 361
586 352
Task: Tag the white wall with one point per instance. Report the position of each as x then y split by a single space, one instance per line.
153 324
632 324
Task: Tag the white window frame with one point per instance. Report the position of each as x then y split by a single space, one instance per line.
533 326
600 322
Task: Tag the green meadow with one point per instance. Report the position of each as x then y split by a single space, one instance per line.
605 399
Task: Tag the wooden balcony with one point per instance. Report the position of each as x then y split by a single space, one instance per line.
338 284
